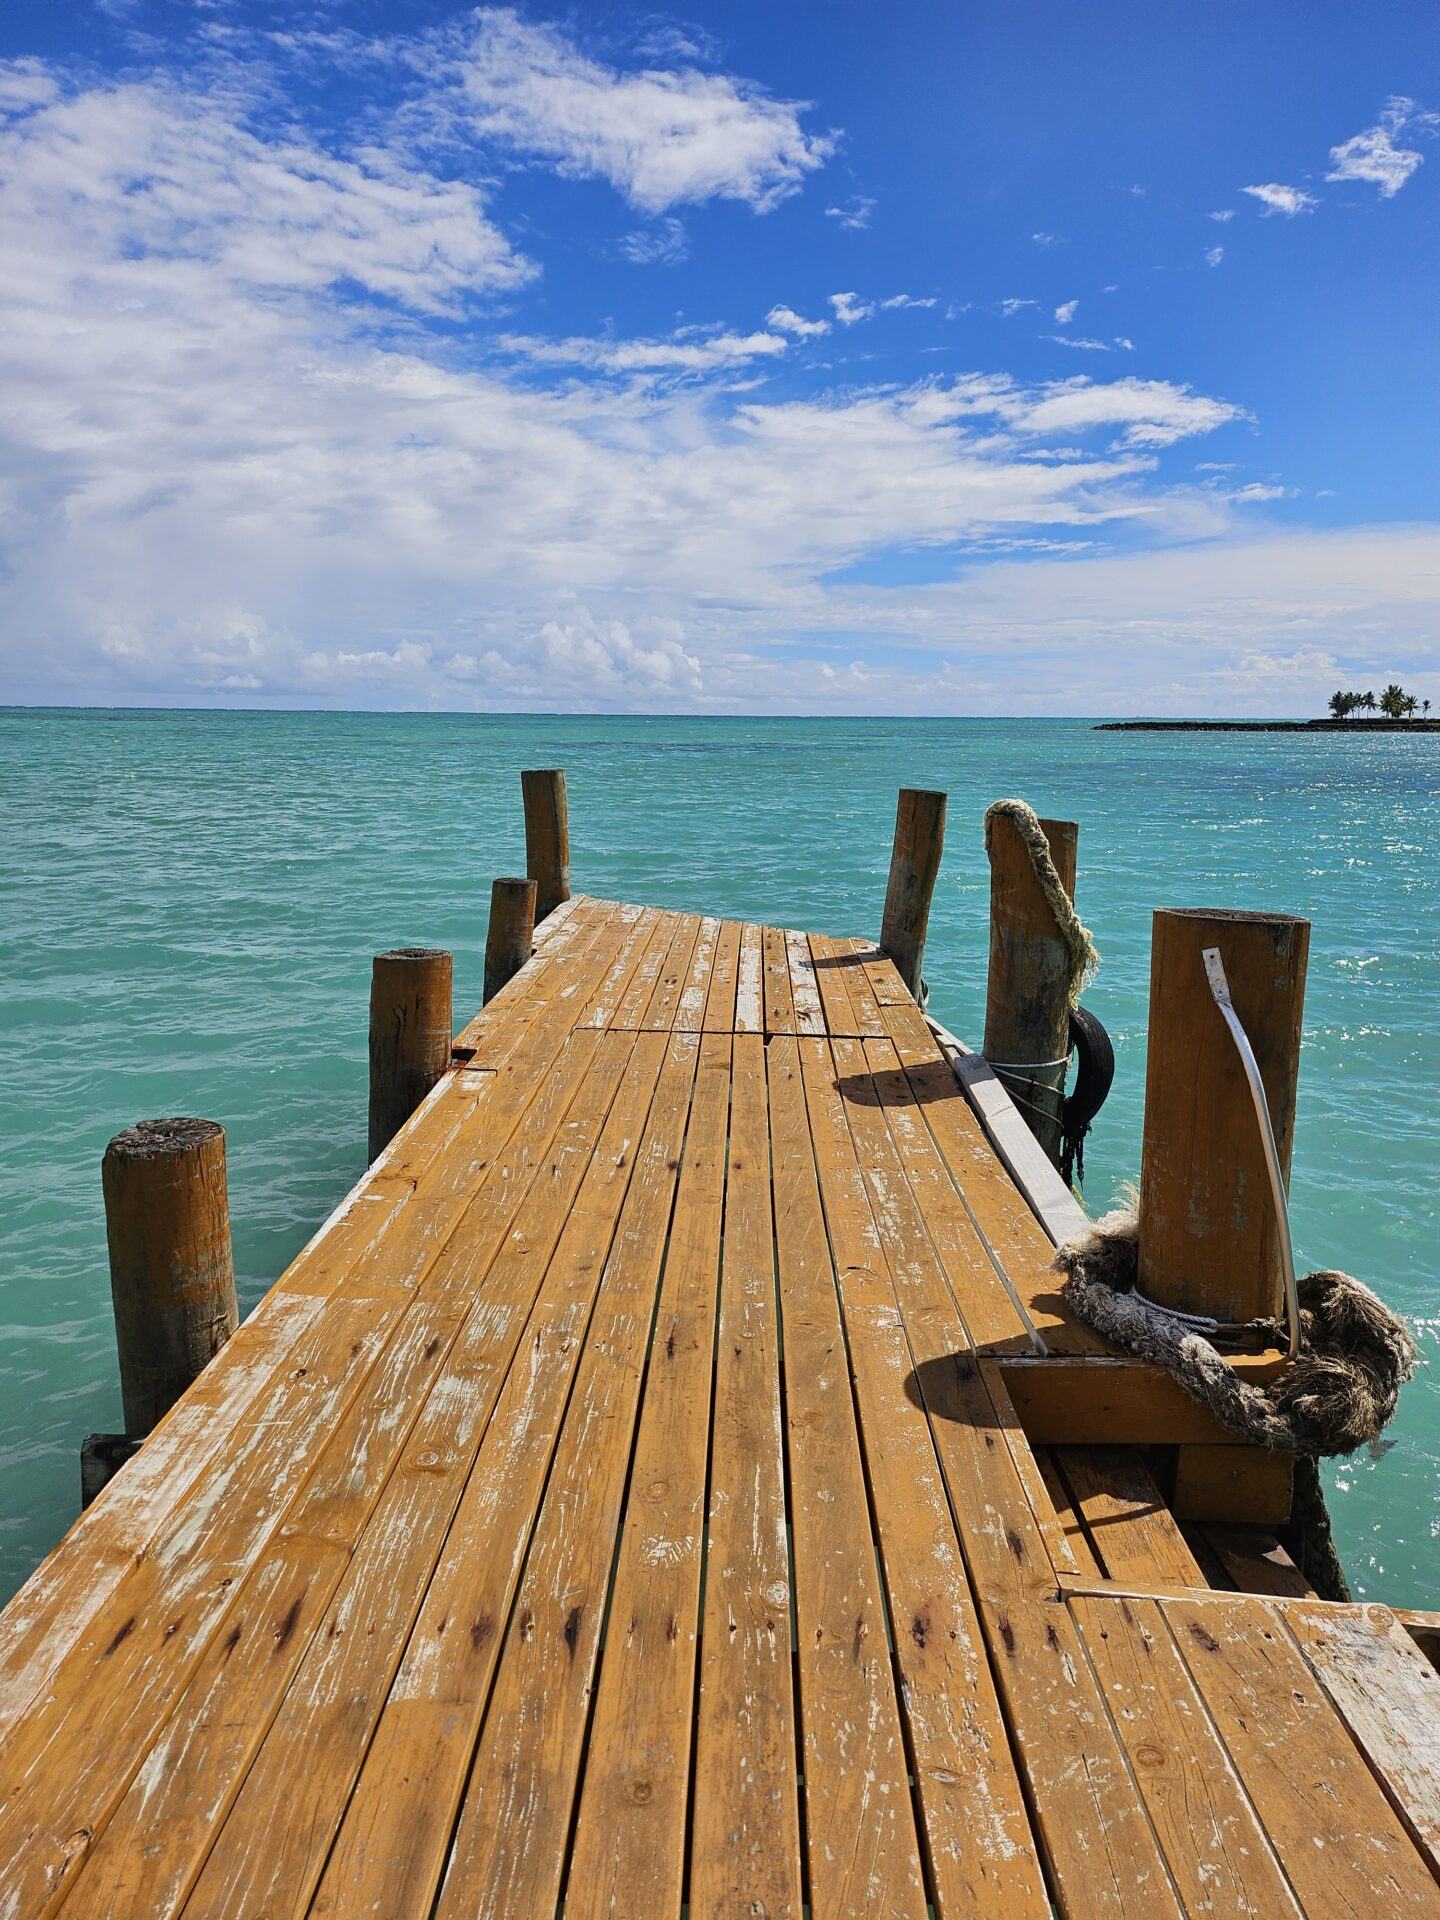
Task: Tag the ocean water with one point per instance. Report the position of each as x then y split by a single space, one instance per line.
189 903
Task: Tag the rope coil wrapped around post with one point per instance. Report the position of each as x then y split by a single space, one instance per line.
1338 1395
1041 957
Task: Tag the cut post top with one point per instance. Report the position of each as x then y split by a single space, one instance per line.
547 836
914 867
511 937
411 1030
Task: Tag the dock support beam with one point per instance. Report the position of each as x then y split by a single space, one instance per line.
1208 1240
511 938
411 1031
1027 993
914 865
172 1273
547 837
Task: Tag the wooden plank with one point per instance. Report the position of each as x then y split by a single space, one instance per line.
1053 1532
862 1848
660 1010
864 1004
1423 1626
1089 1818
606 993
1245 1484
750 982
560 959
1342 1846
809 1009
779 1000
690 1009
831 985
1081 1549
1133 1532
628 1851
981 1857
745 1853
1389 1696
987 1305
293 1794
1257 1563
632 1005
883 977
1050 1199
724 980
391 1846
508 1854
1002 1215
1217 1850
1096 1400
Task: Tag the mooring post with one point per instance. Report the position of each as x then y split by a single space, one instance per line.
914 865
511 938
547 837
172 1273
1027 991
1208 1238
411 1032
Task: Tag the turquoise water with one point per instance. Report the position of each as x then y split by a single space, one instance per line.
189 903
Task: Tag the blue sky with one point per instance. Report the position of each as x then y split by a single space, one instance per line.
814 358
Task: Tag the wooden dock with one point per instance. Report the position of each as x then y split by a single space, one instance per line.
670 1483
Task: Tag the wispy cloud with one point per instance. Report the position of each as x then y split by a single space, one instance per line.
1066 312
1223 213
1046 239
663 244
898 300
849 309
1214 255
1276 198
786 320
1012 306
853 214
700 354
1075 340
1373 157
662 137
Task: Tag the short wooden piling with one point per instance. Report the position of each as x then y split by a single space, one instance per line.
172 1274
411 1030
1208 1239
1027 993
511 938
547 836
914 865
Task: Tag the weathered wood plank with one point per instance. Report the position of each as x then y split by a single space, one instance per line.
862 1847
981 1857
1341 1844
1131 1528
724 980
1216 1848
391 1846
629 1845
750 983
779 1000
805 994
745 1853
508 1854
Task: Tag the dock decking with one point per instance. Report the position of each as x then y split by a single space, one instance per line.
621 1507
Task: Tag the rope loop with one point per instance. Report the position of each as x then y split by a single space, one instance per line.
1079 944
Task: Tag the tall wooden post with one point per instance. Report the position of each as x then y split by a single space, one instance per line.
511 938
914 865
1027 992
547 836
172 1273
1208 1240
411 1030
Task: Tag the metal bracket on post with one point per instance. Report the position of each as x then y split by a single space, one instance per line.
1220 993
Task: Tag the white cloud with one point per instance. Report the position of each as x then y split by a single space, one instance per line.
786 320
1065 313
1011 307
1224 213
1075 340
700 354
848 309
1046 239
1275 198
662 137
898 300
25 84
1214 255
662 244
853 214
1373 157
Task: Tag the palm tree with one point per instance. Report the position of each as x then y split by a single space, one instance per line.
1425 708
1367 701
1392 701
1340 705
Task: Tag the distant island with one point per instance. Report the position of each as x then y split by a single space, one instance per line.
1395 710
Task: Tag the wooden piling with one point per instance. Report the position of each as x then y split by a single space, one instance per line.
511 938
547 836
411 1030
914 865
1208 1239
1027 993
172 1274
